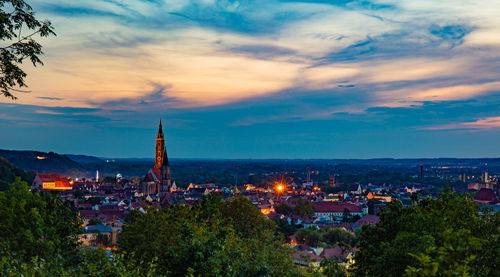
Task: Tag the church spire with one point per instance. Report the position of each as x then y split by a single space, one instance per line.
165 158
160 152
160 131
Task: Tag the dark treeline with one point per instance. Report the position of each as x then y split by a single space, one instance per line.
258 172
9 172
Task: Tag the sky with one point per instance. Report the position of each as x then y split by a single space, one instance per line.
263 79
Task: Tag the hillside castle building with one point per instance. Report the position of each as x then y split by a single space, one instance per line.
157 180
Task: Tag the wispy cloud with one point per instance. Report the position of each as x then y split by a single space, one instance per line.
292 60
218 52
480 124
49 98
47 112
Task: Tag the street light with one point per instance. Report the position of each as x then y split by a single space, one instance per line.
280 188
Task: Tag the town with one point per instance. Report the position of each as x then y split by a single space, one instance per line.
320 218
249 138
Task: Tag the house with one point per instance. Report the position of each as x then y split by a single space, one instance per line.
306 221
339 253
306 256
333 210
100 235
368 219
51 181
356 189
343 255
485 196
173 188
345 226
383 198
332 197
196 193
266 208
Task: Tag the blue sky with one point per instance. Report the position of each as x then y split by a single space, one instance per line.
264 79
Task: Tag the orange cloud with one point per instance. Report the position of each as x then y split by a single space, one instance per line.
414 95
97 59
484 123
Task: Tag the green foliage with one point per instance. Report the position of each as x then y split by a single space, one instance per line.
245 218
95 221
371 205
212 238
335 236
283 208
109 179
329 237
331 268
36 225
94 200
78 194
346 215
285 228
16 16
102 239
303 207
39 237
9 172
93 262
309 236
447 236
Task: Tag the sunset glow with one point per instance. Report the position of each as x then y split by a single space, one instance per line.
264 74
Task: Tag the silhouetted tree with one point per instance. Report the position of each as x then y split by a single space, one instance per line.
303 207
447 236
17 16
283 208
213 238
37 225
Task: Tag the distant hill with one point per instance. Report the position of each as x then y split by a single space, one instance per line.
76 165
84 159
42 162
8 172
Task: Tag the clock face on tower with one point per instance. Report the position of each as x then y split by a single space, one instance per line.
160 147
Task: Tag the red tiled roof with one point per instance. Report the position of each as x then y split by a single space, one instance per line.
59 183
62 183
104 215
336 252
345 226
156 172
368 219
305 257
49 177
334 207
485 194
148 178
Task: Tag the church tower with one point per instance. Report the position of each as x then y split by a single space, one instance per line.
161 152
161 162
158 180
165 182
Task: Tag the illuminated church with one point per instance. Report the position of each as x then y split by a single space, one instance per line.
158 181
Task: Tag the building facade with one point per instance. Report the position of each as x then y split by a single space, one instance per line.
158 180
50 181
